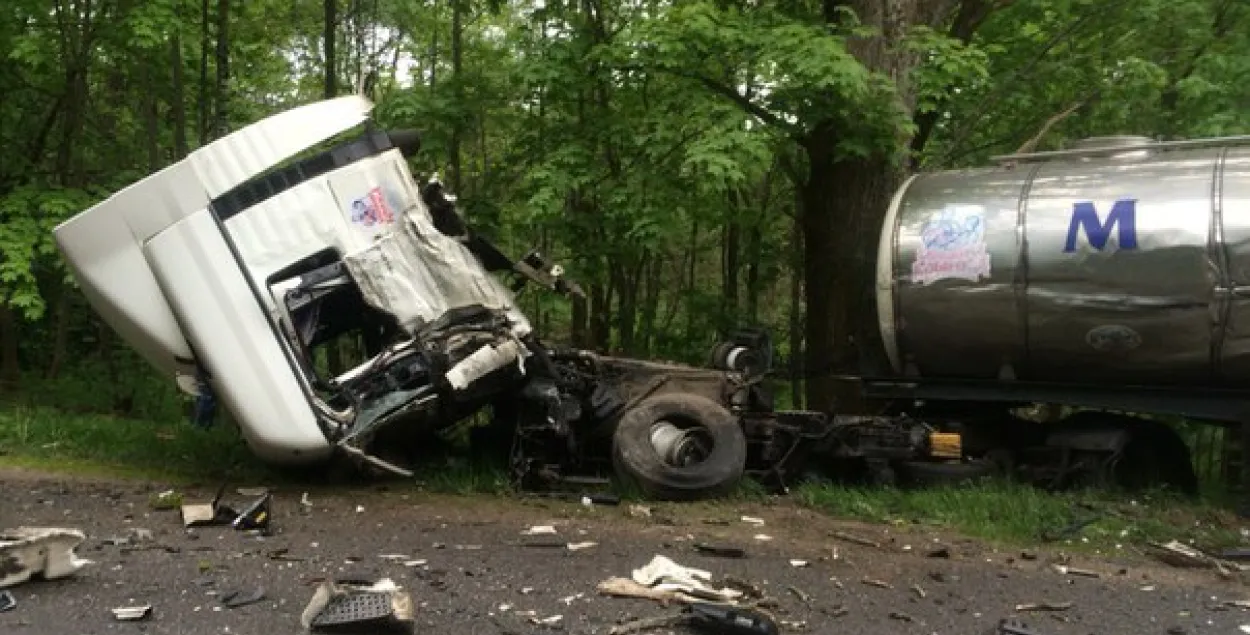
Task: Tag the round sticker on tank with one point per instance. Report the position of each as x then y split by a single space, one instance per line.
1112 338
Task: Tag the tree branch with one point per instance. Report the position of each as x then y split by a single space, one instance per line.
1001 89
971 15
1031 144
718 88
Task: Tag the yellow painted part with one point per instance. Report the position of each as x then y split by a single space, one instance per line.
946 445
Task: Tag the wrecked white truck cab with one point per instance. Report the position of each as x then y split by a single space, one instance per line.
226 274
229 269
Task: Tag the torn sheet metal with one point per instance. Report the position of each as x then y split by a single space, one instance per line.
47 552
411 269
371 607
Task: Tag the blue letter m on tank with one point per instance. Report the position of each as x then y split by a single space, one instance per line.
1123 216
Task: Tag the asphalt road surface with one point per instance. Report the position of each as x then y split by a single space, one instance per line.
481 575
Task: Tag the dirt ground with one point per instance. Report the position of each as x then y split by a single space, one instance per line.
481 575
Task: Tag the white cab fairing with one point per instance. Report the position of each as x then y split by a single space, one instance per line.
227 327
103 245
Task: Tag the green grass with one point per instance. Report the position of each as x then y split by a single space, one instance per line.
48 439
1021 515
41 437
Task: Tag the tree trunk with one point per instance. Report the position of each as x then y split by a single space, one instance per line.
730 239
650 306
578 335
753 290
796 307
457 55
10 365
178 100
62 312
839 234
221 125
844 201
627 310
600 316
691 268
328 42
203 104
152 121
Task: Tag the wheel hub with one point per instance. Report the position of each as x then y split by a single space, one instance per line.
677 446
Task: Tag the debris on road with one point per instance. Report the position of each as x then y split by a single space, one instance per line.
880 584
132 613
748 590
134 536
1085 573
1012 627
800 594
866 542
239 598
378 606
1043 606
546 621
725 620
626 588
647 624
255 516
720 551
283 554
199 515
47 552
665 575
1179 554
708 618
639 511
7 601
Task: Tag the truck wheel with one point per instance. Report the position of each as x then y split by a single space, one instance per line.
929 473
679 447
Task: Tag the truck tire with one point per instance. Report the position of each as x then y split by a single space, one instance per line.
679 447
930 473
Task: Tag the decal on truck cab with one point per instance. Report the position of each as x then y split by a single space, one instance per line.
372 209
1123 217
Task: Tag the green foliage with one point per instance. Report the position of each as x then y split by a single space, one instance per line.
27 217
641 145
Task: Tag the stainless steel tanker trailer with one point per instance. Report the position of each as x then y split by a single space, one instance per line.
1111 276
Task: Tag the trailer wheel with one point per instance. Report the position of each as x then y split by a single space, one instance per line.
679 447
929 473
